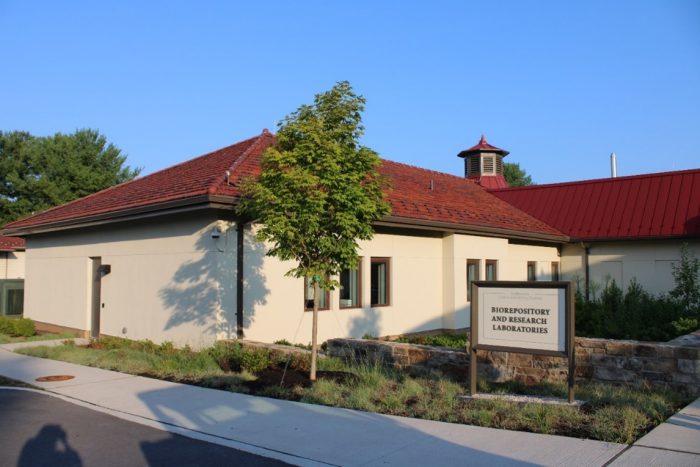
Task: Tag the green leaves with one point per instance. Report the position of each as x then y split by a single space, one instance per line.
319 190
37 173
514 175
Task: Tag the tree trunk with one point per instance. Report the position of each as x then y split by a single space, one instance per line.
314 332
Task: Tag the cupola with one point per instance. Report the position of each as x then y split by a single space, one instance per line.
483 163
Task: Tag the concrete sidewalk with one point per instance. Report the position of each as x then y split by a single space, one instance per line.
305 434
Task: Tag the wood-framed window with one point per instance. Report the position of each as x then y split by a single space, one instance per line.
491 270
531 271
555 270
472 275
380 280
351 287
325 299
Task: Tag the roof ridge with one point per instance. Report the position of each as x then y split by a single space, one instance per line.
82 198
423 169
239 160
596 180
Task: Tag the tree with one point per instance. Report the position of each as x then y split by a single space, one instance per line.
514 175
686 275
37 173
319 192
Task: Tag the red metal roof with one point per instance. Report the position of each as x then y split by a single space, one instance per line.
490 182
11 243
451 200
640 206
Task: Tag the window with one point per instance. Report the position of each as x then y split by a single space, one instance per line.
491 270
12 297
379 282
351 287
309 297
488 165
472 275
555 270
474 165
531 271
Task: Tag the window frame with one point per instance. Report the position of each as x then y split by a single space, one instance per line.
328 299
387 261
532 264
359 287
477 263
494 263
555 266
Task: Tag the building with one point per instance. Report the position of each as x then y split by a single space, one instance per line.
164 257
11 276
621 229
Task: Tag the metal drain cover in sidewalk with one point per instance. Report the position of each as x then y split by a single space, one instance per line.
44 379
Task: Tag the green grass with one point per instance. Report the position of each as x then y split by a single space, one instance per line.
613 413
5 339
455 341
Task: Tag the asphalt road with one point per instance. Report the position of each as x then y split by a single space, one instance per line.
40 430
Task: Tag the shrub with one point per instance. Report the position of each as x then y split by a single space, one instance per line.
634 314
227 355
7 326
255 360
24 327
686 275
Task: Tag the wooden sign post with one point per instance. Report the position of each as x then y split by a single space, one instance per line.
522 317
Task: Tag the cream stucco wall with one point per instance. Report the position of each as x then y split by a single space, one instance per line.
512 259
169 279
274 303
12 264
649 262
428 286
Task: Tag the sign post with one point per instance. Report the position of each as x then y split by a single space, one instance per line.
522 317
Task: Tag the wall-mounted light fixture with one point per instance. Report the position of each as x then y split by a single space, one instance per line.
216 233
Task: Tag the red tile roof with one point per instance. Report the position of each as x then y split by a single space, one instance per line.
641 206
202 176
452 199
11 243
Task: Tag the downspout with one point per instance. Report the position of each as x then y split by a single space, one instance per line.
586 252
240 231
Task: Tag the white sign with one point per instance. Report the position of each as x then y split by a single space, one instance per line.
528 318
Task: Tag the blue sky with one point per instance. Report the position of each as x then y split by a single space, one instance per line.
559 84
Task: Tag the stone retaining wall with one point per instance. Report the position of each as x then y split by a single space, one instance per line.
656 364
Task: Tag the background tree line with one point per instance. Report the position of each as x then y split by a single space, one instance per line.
39 172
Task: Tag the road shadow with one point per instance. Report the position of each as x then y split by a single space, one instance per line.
49 447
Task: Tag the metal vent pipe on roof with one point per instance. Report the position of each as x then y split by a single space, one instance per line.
613 165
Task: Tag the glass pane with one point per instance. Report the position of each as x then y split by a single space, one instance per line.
309 297
491 274
349 288
530 271
472 275
379 283
15 302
